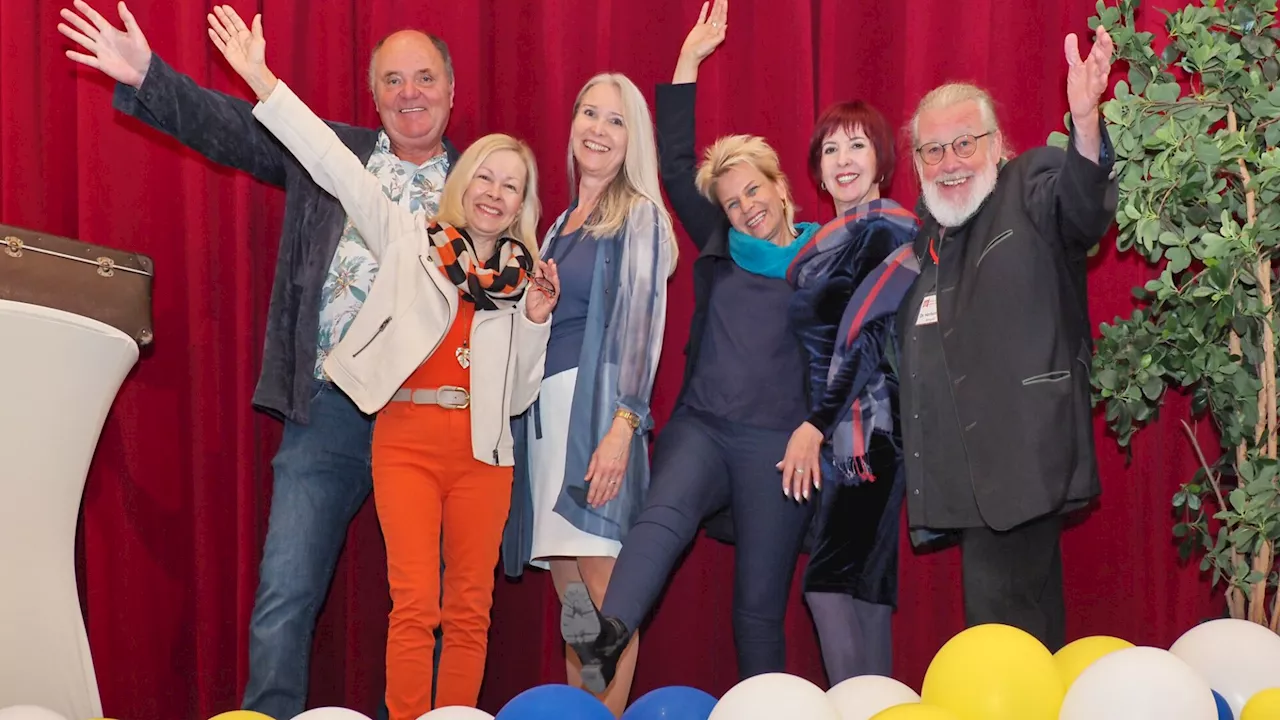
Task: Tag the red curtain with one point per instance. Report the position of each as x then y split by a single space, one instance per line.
175 508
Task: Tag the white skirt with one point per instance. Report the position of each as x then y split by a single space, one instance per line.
553 536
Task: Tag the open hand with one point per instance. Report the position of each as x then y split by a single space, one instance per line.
708 32
608 467
122 56
245 49
544 291
800 466
1087 77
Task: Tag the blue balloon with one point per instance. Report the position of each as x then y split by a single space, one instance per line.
1224 710
672 703
554 702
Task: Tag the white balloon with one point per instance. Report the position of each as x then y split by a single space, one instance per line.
862 697
774 696
457 712
1236 657
1139 683
28 712
332 713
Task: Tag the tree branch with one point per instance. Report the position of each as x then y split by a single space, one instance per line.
1235 598
1275 612
1262 269
1258 593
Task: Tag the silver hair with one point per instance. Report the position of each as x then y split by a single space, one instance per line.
951 94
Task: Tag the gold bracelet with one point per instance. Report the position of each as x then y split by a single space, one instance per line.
632 419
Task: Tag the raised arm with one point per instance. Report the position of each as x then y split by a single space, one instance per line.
1076 200
313 143
217 126
675 120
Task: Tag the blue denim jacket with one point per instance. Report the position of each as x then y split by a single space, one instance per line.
616 370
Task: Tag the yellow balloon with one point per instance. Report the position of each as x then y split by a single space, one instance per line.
915 711
242 715
994 672
1264 705
1075 657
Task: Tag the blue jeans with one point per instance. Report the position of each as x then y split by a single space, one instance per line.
322 477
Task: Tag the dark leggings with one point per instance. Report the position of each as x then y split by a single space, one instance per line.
702 464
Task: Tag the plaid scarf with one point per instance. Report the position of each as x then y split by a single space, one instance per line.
500 281
878 295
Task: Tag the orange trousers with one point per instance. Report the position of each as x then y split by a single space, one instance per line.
428 487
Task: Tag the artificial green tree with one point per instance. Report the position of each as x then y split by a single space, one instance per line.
1195 128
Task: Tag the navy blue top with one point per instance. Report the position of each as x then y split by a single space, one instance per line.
575 259
750 367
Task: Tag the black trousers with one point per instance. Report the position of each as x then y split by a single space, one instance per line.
1015 578
701 465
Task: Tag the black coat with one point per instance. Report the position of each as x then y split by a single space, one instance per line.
1017 343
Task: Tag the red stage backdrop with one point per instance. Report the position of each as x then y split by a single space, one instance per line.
176 505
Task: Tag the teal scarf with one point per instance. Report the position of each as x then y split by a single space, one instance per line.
762 257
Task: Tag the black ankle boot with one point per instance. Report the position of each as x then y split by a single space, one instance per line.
597 640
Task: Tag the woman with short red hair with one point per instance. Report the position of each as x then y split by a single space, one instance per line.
850 280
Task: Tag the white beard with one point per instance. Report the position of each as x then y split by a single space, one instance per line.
950 214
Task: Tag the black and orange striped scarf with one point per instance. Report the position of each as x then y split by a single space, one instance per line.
497 283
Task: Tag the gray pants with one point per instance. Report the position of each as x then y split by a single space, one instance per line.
856 636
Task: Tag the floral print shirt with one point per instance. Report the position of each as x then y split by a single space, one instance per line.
353 268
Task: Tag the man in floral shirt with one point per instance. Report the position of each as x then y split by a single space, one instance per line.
323 273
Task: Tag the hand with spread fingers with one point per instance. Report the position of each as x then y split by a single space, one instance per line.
124 56
1087 80
244 48
707 34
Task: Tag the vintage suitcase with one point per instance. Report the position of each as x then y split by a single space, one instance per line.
107 285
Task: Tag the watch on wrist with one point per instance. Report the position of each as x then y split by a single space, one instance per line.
632 419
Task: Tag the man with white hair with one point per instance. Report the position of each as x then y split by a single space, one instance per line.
996 343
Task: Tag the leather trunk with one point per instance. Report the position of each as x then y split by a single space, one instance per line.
107 285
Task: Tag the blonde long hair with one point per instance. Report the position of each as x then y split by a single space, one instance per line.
525 226
638 178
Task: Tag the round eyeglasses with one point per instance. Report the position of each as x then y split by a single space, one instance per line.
963 146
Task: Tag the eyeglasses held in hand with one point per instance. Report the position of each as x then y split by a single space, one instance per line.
963 146
544 285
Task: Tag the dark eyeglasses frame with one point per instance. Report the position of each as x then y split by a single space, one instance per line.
943 146
544 285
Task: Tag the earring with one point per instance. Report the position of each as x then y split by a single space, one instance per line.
823 186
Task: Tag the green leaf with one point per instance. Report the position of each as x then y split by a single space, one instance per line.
1058 140
1237 499
1208 153
1153 387
1108 379
1138 79
1272 135
1164 92
1179 259
1271 69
